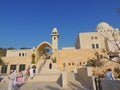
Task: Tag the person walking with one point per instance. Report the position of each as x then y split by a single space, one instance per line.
14 82
19 79
31 73
11 78
27 74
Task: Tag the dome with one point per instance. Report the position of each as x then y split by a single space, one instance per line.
54 30
103 26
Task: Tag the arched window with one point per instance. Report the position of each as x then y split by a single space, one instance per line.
69 64
54 38
73 63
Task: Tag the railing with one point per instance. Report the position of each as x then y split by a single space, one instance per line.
98 83
42 65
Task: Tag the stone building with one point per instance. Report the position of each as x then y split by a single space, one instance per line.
86 45
101 38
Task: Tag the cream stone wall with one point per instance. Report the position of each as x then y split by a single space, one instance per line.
87 39
16 61
20 52
18 57
102 32
73 58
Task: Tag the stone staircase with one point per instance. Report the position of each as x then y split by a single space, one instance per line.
45 73
46 68
73 83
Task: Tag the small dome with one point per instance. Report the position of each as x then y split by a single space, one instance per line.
103 26
54 30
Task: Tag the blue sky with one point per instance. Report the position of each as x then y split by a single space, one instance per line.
27 23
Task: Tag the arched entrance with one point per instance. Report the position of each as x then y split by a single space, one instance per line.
40 47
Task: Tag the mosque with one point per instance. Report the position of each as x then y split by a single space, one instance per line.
86 45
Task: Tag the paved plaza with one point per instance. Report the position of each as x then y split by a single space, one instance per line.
73 84
43 86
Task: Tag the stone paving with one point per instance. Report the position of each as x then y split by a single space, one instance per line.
73 84
43 86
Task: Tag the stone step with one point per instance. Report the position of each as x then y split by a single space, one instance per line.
46 71
46 68
45 78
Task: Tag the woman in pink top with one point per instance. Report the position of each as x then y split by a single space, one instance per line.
19 78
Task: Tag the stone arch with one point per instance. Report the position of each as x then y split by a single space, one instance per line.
41 46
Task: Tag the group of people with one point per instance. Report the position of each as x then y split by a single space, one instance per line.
14 79
30 72
17 79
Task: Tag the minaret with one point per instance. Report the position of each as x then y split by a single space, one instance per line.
55 37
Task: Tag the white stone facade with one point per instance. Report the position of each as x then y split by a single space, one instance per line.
101 38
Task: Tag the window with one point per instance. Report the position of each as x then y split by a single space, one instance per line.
4 69
92 37
19 54
93 46
13 67
23 54
97 46
21 67
69 64
95 37
73 63
54 38
54 32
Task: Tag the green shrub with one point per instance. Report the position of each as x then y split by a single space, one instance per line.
33 59
117 70
54 60
1 61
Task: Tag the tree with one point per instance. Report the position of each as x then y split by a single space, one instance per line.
117 71
11 48
116 40
24 48
94 62
33 58
118 60
1 61
2 51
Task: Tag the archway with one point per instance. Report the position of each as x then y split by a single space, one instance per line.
40 47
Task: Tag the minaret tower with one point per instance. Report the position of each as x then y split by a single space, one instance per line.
55 37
